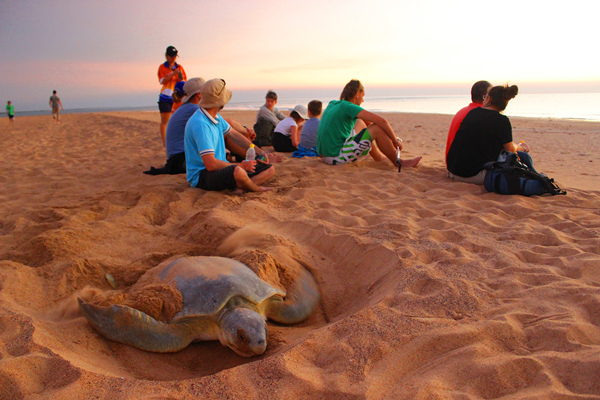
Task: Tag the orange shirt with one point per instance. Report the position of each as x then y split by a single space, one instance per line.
167 86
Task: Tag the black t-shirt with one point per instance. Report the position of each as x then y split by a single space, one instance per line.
479 139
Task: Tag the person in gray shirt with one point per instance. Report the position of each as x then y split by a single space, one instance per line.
266 120
55 103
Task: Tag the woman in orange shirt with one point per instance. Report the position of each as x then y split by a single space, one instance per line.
169 73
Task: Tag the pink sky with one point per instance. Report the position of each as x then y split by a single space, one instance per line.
104 53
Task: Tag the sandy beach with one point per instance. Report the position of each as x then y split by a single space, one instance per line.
430 289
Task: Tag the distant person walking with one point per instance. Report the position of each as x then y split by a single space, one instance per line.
55 103
10 111
169 73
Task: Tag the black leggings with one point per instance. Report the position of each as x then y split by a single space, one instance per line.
282 143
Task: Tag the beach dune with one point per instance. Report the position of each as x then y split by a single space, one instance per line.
430 289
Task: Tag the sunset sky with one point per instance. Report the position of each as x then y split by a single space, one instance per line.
106 53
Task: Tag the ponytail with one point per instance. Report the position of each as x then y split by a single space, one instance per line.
501 95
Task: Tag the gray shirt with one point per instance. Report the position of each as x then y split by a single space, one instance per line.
308 136
55 101
273 116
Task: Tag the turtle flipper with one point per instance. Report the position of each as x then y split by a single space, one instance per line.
298 304
132 327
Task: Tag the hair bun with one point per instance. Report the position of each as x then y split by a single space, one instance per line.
511 92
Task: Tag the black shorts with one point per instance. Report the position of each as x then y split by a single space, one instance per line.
223 178
11 116
282 143
165 106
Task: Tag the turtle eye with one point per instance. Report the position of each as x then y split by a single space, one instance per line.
242 335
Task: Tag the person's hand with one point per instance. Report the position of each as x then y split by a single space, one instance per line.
248 166
251 134
525 147
263 158
397 142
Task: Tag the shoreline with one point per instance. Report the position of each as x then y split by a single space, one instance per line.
24 114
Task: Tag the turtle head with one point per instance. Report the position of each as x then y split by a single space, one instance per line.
244 331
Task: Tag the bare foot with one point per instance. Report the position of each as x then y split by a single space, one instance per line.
266 189
410 163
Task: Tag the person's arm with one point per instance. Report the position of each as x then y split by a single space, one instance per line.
214 164
295 135
238 143
61 107
247 132
267 114
382 123
279 115
165 77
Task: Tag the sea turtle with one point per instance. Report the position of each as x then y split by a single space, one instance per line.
222 299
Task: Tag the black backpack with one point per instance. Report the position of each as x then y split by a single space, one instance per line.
513 177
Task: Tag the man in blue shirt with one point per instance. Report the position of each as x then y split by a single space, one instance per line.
207 135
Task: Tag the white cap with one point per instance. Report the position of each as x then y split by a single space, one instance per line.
302 111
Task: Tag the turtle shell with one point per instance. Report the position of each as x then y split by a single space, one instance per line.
208 283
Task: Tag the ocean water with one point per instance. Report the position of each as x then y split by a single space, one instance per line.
584 106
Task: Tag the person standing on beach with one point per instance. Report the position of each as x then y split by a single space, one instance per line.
478 91
207 135
169 73
10 111
55 103
338 141
481 137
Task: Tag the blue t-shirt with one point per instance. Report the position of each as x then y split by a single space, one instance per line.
176 128
203 135
308 137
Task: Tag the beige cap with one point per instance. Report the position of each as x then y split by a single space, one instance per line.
214 94
191 87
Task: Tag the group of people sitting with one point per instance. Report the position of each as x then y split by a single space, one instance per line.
197 138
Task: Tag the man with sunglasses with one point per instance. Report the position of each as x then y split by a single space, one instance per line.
207 135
